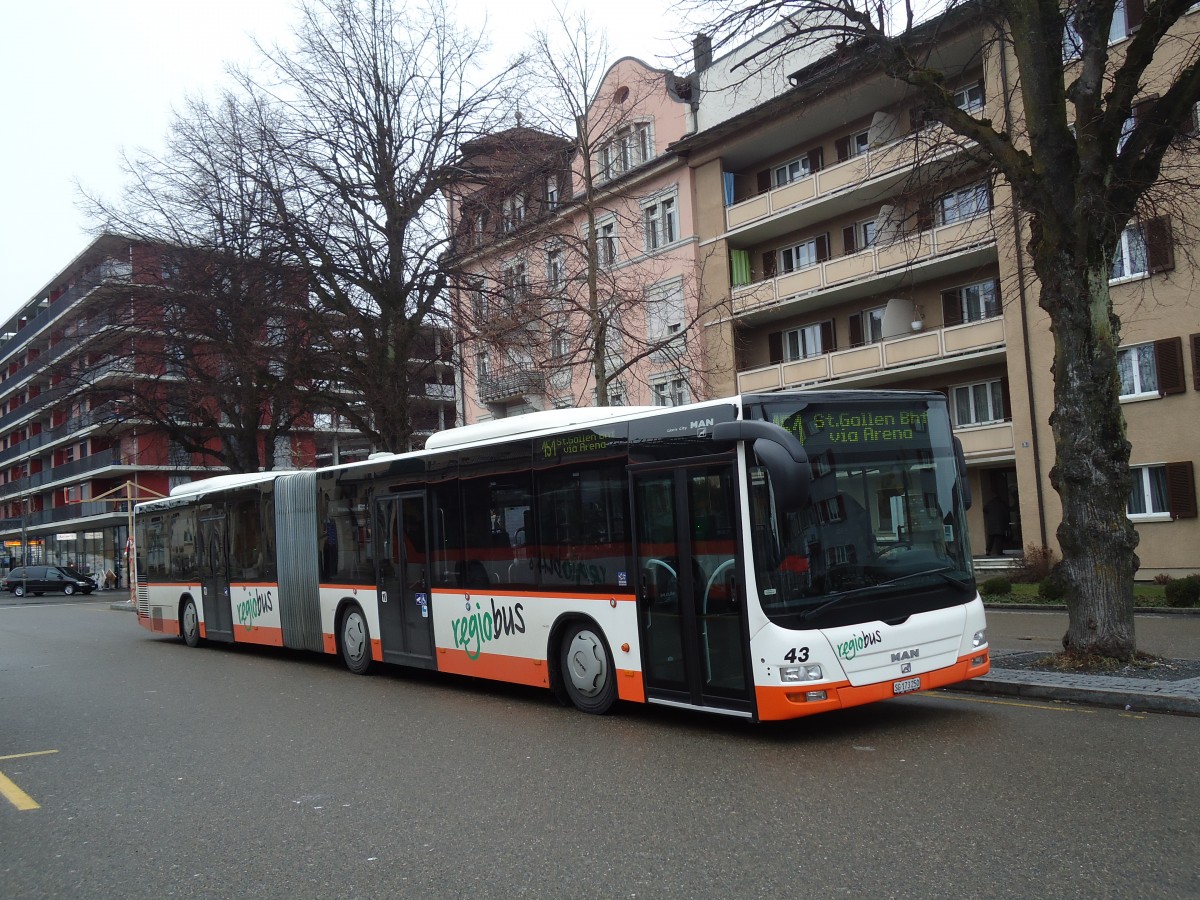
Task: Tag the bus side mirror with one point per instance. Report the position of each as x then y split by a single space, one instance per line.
964 485
780 452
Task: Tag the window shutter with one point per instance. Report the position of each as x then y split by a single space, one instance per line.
828 337
1160 252
768 259
842 146
1006 398
1135 12
1181 490
764 181
951 309
1168 362
924 216
1195 339
775 346
822 241
848 240
856 330
816 159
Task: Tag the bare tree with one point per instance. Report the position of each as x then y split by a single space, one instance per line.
581 288
208 341
366 115
1092 131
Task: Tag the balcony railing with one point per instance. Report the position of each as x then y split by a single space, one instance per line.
896 257
510 385
872 170
891 354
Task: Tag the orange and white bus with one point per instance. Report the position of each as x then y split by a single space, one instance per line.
765 556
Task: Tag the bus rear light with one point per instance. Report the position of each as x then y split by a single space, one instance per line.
793 674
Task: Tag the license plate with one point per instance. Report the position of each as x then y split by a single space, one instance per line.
907 686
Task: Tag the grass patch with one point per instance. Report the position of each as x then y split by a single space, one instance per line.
1144 595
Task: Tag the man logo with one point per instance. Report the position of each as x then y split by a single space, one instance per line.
906 654
906 668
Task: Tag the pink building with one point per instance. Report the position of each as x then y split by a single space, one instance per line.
577 258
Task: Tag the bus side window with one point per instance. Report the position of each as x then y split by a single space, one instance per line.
447 535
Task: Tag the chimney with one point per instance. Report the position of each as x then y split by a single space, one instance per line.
702 51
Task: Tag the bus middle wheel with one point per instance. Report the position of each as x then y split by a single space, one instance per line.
587 669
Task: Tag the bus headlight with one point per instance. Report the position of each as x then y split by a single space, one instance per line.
979 639
793 674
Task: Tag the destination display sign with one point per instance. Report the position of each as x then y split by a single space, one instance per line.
848 426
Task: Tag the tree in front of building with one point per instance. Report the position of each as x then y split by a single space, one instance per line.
1103 116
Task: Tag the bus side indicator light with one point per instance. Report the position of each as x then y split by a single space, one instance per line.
624 648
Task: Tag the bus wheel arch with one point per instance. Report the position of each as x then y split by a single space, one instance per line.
582 671
353 637
189 621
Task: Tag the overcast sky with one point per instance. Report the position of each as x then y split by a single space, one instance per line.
84 79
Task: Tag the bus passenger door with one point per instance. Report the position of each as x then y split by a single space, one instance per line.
212 552
691 609
406 631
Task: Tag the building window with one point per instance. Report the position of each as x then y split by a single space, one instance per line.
670 391
853 145
964 203
811 340
1148 491
802 255
554 269
872 325
1130 258
971 302
552 193
515 286
606 243
979 404
796 169
859 236
660 225
482 365
1138 370
970 99
514 211
630 146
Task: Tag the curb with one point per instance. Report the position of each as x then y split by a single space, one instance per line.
122 605
1110 698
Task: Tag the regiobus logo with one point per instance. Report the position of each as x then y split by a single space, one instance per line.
860 642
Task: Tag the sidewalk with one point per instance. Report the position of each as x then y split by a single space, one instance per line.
1019 637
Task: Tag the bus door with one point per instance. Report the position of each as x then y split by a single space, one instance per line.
691 606
212 552
405 627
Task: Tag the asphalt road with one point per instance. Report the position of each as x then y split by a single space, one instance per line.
237 772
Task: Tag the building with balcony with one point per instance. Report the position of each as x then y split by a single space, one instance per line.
574 251
846 242
74 451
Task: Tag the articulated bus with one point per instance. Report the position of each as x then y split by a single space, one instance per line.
765 556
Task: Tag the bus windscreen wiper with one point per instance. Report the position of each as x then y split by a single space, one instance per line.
838 598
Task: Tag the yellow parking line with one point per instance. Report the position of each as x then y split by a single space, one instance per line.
15 795
23 755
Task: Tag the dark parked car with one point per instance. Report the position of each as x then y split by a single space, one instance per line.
38 580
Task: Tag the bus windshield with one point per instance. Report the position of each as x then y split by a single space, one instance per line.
883 534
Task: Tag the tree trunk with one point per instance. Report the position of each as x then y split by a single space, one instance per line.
1091 469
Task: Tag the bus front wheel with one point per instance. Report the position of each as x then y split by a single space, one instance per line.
189 623
354 638
587 669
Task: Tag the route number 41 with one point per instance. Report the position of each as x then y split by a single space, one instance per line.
797 654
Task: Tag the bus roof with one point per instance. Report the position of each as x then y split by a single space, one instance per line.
528 423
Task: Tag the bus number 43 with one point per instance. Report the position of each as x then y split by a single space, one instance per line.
797 655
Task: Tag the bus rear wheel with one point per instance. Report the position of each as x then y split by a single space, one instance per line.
587 670
354 641
189 623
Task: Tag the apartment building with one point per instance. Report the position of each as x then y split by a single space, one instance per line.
574 250
72 459
857 245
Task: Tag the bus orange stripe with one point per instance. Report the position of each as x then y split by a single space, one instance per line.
258 634
517 669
